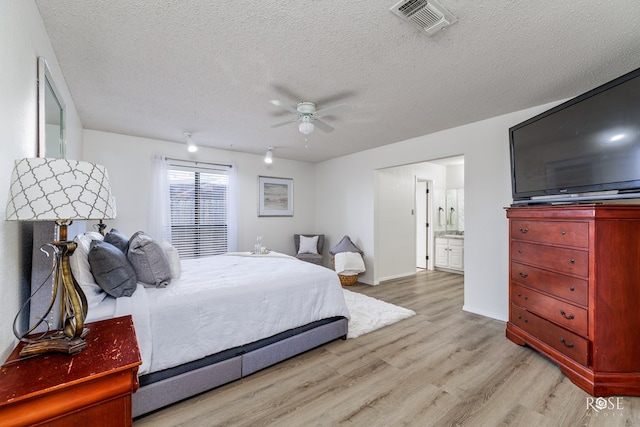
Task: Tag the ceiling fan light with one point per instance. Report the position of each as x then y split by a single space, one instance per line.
268 158
306 127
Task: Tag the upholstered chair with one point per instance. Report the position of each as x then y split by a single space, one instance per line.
305 251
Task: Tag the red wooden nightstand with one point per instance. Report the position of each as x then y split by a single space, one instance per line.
93 387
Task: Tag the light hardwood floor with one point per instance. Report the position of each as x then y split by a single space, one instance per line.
442 367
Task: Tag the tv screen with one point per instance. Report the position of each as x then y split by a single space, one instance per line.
586 148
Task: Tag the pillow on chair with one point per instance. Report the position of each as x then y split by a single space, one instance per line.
308 245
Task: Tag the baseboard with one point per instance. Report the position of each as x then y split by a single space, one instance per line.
483 313
395 276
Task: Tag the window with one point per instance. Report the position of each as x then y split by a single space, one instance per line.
199 206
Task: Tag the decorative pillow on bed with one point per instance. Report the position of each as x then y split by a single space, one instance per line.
308 245
117 239
174 259
111 269
81 270
345 245
149 261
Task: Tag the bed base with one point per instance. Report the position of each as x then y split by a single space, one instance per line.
173 385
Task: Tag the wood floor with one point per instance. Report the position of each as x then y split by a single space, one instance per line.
442 367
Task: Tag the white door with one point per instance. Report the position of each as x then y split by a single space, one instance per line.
421 224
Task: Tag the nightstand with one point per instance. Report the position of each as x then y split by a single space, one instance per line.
93 387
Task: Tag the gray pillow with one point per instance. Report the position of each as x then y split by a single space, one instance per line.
109 266
345 245
149 261
117 239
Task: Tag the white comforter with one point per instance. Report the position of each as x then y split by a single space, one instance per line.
225 301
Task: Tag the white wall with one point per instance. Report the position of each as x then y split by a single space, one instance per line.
345 201
22 39
128 161
455 176
394 218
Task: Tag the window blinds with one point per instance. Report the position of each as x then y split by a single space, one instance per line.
199 200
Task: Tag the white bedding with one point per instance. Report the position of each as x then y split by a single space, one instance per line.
225 301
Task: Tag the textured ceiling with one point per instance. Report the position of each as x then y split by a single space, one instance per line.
157 69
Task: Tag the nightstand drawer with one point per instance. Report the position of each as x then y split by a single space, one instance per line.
559 312
567 287
566 342
562 260
565 233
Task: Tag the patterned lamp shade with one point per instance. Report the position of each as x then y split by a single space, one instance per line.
59 189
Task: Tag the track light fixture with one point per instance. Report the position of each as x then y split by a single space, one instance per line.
268 158
191 146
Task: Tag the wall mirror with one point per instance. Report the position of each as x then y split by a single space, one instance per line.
455 209
449 210
51 115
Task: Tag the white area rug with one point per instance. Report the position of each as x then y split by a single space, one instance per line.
369 314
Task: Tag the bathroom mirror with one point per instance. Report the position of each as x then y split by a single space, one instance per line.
51 115
452 210
450 206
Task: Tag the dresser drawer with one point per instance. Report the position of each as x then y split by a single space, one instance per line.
567 287
562 260
559 312
566 342
565 233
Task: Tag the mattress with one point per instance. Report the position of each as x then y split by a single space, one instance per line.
225 301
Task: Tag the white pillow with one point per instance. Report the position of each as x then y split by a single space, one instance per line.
174 259
308 245
81 270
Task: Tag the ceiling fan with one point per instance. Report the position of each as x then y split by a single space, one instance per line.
308 117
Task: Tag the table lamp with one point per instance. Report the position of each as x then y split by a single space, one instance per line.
60 190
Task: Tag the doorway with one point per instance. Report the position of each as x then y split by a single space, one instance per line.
395 209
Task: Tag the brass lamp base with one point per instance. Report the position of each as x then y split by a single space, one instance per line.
57 343
68 338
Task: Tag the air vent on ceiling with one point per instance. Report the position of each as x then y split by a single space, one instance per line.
428 15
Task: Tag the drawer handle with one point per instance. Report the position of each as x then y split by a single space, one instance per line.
571 288
569 317
523 230
566 344
573 261
523 275
563 232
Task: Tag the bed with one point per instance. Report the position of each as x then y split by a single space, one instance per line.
223 318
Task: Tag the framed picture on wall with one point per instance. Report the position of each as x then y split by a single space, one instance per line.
275 196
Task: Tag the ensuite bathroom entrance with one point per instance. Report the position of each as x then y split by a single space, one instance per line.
440 216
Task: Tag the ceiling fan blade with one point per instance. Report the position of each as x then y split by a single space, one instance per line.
286 107
322 126
284 123
330 111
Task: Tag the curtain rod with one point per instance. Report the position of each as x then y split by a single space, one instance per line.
197 162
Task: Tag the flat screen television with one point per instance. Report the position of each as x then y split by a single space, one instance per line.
585 149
